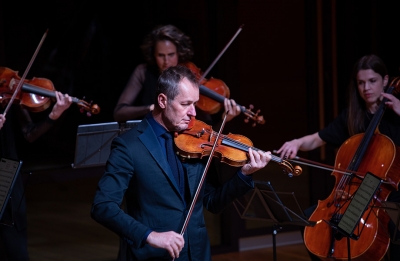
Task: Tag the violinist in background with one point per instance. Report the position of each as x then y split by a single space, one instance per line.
159 189
366 90
162 48
13 226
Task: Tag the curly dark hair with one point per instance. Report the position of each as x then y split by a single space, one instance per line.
171 33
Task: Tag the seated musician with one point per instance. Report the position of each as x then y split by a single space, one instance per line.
366 91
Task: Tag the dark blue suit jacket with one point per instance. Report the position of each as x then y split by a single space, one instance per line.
138 170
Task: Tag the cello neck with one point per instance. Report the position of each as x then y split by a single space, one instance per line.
369 133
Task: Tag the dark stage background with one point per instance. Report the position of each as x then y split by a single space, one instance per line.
292 61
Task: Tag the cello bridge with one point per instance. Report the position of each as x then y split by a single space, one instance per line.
342 195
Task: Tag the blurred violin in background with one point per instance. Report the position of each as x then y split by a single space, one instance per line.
213 93
35 94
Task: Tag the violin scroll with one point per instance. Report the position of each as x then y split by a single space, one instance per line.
287 167
87 107
255 117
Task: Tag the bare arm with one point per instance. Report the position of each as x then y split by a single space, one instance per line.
309 142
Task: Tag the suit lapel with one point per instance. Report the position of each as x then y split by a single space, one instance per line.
150 141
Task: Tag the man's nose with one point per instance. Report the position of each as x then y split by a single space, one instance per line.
192 110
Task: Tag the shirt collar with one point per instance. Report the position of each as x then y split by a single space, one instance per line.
157 128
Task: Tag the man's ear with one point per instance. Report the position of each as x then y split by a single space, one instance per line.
162 100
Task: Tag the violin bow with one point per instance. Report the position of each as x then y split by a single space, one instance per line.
248 112
319 165
220 54
203 176
25 73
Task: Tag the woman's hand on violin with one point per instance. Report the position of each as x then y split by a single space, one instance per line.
63 103
258 160
232 109
392 102
2 120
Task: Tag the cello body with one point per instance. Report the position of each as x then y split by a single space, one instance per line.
381 158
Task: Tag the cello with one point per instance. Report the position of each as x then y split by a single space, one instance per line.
364 152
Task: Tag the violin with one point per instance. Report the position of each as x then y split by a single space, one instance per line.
213 93
198 139
35 94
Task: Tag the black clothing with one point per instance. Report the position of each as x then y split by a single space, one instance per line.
13 239
336 133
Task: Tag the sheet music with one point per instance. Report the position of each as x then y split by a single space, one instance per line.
359 203
8 171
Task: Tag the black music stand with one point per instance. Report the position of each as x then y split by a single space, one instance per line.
93 142
356 208
265 204
9 171
393 210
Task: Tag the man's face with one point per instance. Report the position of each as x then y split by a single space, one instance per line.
178 112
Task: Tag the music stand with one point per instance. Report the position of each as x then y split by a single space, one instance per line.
356 209
93 142
264 203
9 170
393 210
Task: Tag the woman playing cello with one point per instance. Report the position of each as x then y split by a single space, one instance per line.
366 90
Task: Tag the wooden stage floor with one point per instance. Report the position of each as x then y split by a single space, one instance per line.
60 227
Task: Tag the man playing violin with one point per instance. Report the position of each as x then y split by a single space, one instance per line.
157 196
366 91
13 226
163 47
